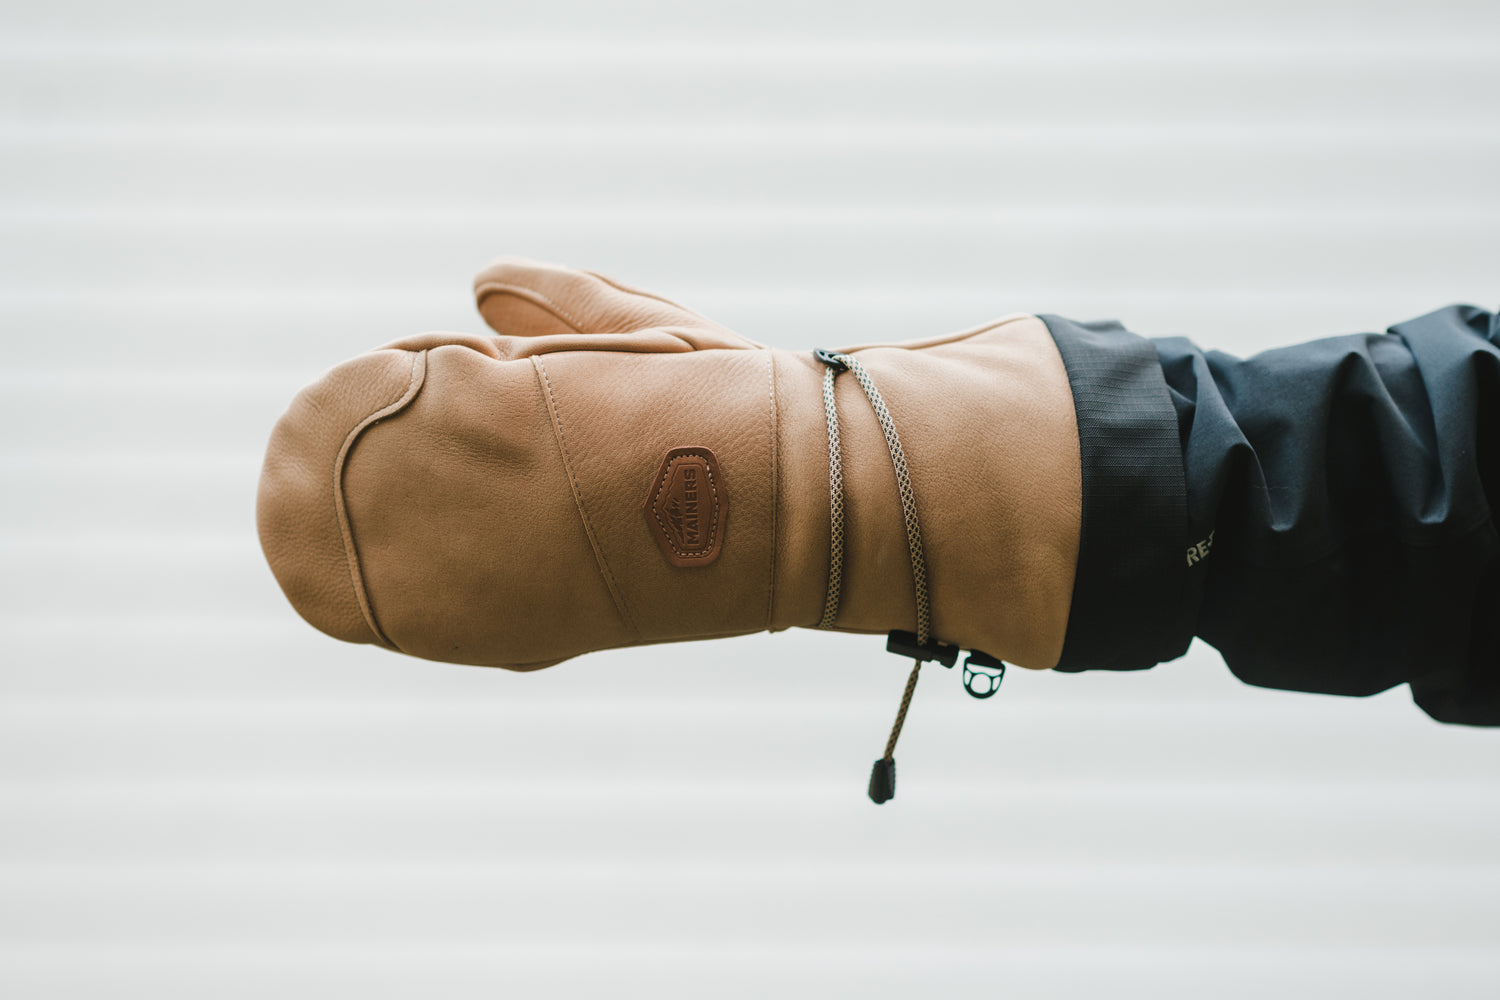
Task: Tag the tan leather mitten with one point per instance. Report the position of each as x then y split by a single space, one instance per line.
613 469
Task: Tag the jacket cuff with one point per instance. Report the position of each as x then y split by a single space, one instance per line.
1131 597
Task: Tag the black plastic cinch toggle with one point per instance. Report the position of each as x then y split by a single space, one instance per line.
906 644
831 359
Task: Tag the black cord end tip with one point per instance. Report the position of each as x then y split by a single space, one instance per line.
883 780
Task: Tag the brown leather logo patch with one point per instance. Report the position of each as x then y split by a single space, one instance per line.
686 507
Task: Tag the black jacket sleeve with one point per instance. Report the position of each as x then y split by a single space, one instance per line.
1320 514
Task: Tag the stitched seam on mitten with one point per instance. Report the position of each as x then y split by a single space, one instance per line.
356 575
588 528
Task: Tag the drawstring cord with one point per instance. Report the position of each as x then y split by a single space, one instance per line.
883 775
835 494
920 646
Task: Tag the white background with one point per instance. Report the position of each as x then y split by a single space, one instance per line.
204 206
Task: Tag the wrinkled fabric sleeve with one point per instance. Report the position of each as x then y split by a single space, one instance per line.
1320 514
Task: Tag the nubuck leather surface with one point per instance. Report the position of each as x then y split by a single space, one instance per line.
609 469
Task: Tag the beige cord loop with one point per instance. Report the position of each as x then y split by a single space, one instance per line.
835 503
836 495
883 780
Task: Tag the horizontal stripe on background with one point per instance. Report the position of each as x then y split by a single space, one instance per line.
1078 972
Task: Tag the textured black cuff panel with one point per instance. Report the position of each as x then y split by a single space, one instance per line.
1129 594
